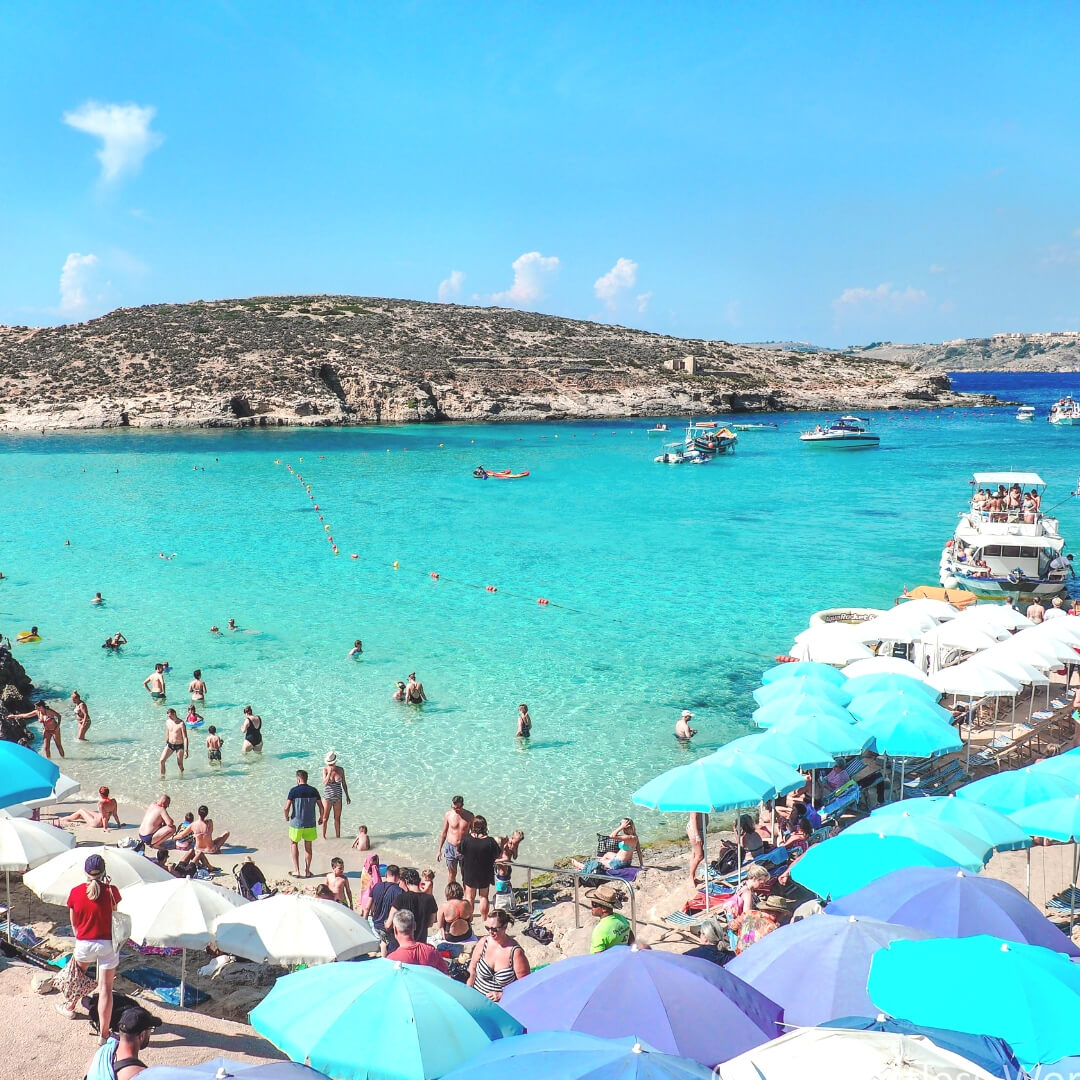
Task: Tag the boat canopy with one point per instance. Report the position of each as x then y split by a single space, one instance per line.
1024 479
957 597
976 539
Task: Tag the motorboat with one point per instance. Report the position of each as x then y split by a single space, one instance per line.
1064 411
679 454
847 433
660 429
755 427
710 438
1000 551
1025 412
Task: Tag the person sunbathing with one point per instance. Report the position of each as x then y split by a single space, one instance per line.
98 819
629 846
206 843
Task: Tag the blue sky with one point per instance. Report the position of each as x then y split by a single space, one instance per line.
828 172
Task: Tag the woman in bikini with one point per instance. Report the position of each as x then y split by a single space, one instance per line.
454 920
50 725
498 960
82 715
252 731
206 844
334 786
98 819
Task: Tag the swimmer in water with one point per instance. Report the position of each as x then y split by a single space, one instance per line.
683 731
197 688
414 691
252 731
98 599
214 743
357 648
214 630
231 625
115 642
192 717
82 715
399 693
155 683
524 727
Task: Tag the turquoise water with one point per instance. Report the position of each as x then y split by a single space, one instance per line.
669 588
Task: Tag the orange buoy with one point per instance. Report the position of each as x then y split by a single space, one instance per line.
542 601
491 588
433 576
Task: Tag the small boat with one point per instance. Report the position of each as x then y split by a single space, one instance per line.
755 427
710 438
847 433
503 474
660 429
681 454
1025 412
1064 411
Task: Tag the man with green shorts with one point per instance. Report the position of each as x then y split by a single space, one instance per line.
302 811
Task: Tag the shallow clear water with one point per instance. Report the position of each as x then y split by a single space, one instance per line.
669 588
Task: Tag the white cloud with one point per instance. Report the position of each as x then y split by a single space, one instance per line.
936 268
641 301
124 131
884 297
74 280
450 288
530 270
623 275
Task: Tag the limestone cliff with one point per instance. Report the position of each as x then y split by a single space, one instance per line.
348 360
1055 351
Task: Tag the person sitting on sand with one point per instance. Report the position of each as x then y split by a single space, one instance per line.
98 819
206 844
756 886
82 716
714 943
629 846
357 648
362 841
612 928
414 691
252 731
214 743
157 826
338 883
184 839
197 688
454 920
683 731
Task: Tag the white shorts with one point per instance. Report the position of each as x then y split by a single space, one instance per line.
101 953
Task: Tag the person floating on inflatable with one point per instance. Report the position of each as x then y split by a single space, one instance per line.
480 472
28 635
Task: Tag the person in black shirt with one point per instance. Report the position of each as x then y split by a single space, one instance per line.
478 855
423 906
379 904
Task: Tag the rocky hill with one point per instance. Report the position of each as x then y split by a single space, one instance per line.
349 360
1057 351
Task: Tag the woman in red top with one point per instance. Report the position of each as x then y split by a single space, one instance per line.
92 905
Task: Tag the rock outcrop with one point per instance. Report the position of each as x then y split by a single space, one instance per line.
1056 351
15 691
346 360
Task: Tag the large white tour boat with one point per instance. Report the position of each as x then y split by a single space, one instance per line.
1065 411
847 433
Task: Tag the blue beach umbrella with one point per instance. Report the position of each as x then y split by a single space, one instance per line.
1024 994
839 737
889 682
844 863
835 950
1056 819
998 830
948 902
1066 765
701 787
217 1067
963 848
731 759
379 1019
572 1055
788 747
24 774
785 688
1010 791
803 669
889 702
798 705
903 732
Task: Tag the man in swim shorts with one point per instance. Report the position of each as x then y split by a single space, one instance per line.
155 683
176 741
303 808
157 825
683 731
455 825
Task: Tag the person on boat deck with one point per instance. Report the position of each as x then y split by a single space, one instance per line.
1036 500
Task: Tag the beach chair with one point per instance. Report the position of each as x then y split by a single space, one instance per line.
989 754
1060 904
771 860
849 795
941 783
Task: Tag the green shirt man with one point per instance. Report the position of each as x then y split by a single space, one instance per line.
612 929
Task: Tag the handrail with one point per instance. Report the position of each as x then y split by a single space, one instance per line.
577 876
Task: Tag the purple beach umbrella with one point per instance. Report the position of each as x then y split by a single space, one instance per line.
677 1004
816 969
949 902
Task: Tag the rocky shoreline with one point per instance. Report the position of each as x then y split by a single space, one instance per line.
15 691
336 361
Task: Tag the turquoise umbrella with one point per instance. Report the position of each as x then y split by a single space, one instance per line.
785 688
891 682
379 1020
24 774
845 863
839 737
803 669
1010 791
887 702
730 759
1056 819
799 705
964 848
702 787
1025 994
788 747
1066 765
903 732
994 828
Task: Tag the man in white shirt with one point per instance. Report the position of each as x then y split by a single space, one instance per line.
1056 611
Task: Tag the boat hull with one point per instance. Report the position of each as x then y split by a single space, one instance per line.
1065 421
861 442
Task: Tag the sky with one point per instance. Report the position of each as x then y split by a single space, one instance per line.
835 173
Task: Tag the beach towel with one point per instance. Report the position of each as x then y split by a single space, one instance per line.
165 987
626 873
372 876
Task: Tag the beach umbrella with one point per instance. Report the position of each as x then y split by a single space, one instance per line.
54 880
1055 819
733 760
963 848
379 1020
1040 650
996 829
997 615
1033 1005
572 1055
659 997
223 1068
1001 659
937 609
798 705
889 682
788 747
963 636
993 1055
878 665
844 863
26 844
836 950
871 706
24 774
294 929
829 644
948 902
832 1053
1066 765
1065 630
903 731
839 737
62 790
803 669
973 680
178 913
1010 791
817 688
897 624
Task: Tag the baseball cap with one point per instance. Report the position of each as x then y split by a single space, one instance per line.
136 1020
94 864
687 712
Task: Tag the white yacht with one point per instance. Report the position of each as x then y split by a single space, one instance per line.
1001 551
1025 412
847 433
1065 411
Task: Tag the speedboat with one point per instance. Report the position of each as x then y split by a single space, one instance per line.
1064 411
1025 412
660 429
1005 552
847 433
680 454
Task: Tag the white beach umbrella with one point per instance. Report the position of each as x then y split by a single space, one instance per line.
877 665
1040 652
828 644
1007 663
964 636
972 680
26 844
936 609
293 929
897 624
54 880
178 913
62 790
994 615
1067 630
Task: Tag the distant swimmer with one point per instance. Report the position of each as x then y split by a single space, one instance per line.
82 715
98 599
252 731
357 648
155 683
176 741
480 472
231 625
115 641
166 667
524 723
167 558
414 691
399 693
214 630
197 688
683 731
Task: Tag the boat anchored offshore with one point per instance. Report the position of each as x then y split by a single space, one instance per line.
701 443
1005 545
1065 411
755 427
660 429
1025 412
847 433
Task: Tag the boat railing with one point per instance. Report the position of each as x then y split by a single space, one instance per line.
1028 524
577 875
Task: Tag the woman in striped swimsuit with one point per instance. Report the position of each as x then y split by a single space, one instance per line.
333 778
498 960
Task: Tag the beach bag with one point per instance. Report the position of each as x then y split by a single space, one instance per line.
538 933
73 983
605 845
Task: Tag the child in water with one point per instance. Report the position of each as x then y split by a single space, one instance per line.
193 718
362 841
214 743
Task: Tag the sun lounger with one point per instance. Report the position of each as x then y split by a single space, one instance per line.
682 920
769 859
1059 703
939 783
1059 904
848 797
165 987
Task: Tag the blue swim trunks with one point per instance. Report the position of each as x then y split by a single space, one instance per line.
451 856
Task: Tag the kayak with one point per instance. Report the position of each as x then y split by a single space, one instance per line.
506 474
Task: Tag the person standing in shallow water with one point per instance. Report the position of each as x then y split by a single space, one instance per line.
176 741
252 731
82 715
155 682
334 786
414 691
524 726
197 688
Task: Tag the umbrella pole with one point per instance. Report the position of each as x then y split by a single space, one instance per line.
7 879
903 762
183 972
1027 875
705 858
1072 893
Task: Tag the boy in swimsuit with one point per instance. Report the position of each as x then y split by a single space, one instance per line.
357 649
82 715
197 688
155 683
176 741
338 884
214 743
